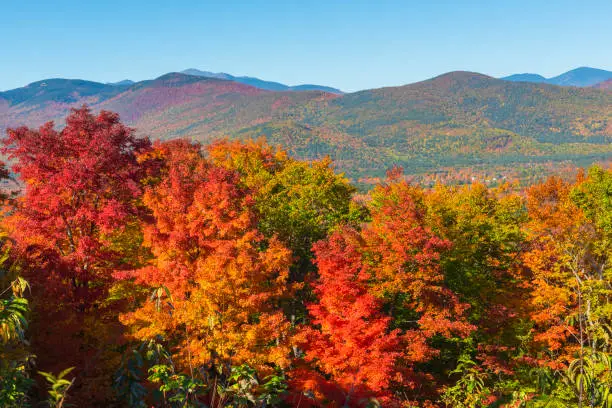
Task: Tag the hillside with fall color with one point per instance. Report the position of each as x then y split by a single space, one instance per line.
459 120
604 85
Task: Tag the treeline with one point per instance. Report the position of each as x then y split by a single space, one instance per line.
170 274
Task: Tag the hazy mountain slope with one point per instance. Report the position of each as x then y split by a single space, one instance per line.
207 74
125 82
260 83
49 99
525 78
583 76
580 77
59 91
311 87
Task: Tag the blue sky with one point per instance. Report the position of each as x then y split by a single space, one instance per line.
349 44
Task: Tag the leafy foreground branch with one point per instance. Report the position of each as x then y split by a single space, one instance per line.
59 386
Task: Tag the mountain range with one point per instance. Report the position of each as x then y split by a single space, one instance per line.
580 77
456 121
256 82
260 83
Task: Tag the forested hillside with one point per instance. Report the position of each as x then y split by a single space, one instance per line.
459 121
231 274
604 85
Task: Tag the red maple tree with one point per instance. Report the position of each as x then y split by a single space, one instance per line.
73 222
352 342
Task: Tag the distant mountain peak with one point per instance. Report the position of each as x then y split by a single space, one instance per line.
60 82
125 82
179 77
260 83
172 76
207 74
59 90
461 79
462 75
580 77
526 77
173 79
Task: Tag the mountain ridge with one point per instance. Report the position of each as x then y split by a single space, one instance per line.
455 120
125 82
526 77
260 83
578 77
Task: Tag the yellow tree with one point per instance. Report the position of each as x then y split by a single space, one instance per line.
569 258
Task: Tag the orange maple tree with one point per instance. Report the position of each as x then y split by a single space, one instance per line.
220 280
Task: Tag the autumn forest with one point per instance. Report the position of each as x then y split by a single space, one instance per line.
175 274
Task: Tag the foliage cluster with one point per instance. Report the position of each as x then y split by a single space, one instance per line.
172 274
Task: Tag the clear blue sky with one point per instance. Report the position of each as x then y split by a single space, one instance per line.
348 44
